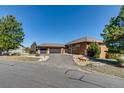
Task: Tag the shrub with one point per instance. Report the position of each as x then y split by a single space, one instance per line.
94 50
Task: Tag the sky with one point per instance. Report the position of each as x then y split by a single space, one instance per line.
60 24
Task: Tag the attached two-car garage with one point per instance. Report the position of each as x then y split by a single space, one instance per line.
51 48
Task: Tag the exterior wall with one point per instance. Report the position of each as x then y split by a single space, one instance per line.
78 48
81 48
48 50
62 50
103 51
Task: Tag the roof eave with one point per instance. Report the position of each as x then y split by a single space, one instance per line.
85 42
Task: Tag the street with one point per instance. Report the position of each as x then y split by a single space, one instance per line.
58 72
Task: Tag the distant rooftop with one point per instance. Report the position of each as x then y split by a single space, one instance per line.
51 45
85 39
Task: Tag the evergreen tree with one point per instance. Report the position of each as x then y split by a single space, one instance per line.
11 34
113 33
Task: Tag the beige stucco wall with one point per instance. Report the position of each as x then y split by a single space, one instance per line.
103 51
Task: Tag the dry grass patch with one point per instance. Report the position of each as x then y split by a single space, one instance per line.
105 68
18 58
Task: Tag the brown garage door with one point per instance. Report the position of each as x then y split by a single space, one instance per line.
55 50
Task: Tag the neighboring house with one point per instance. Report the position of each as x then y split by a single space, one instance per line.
48 48
19 50
78 46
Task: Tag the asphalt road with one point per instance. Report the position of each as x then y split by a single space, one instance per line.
58 72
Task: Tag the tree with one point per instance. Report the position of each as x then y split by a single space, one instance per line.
113 33
94 50
34 48
11 34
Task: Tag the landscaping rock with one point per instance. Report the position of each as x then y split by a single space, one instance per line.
79 62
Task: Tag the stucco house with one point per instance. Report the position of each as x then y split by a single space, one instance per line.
77 46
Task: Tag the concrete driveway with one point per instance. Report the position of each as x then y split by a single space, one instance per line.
58 71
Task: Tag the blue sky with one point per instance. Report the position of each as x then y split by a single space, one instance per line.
60 24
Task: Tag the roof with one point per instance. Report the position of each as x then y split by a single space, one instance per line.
85 39
51 45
